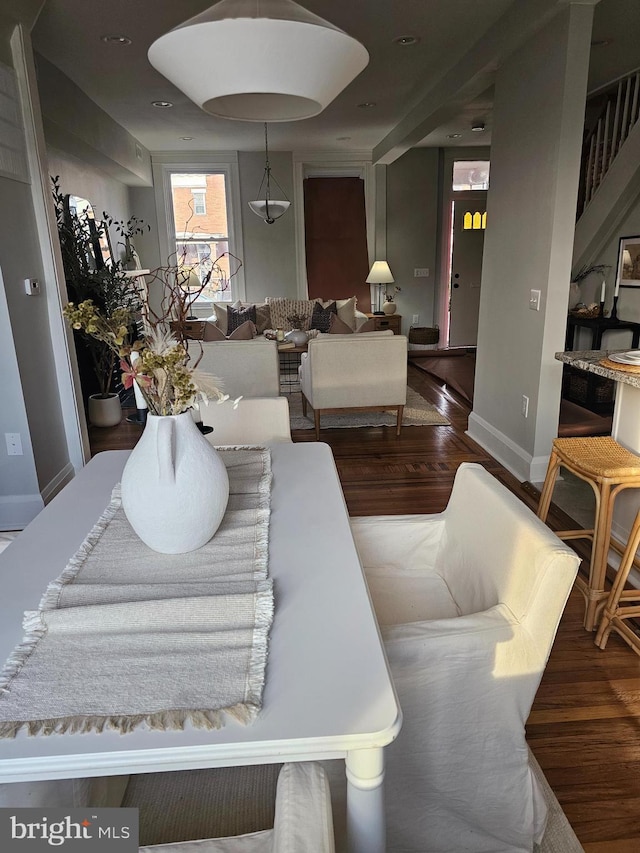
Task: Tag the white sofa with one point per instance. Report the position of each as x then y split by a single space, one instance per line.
468 602
360 371
244 368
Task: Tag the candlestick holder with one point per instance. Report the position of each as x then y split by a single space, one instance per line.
614 309
601 312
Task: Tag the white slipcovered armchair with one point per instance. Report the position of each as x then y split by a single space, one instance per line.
245 368
303 820
254 420
469 602
361 371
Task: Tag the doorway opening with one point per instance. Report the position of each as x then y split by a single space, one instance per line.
465 223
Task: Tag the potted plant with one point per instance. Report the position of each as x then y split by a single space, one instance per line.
89 277
127 230
389 306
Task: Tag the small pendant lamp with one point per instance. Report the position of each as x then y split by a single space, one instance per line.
259 60
267 208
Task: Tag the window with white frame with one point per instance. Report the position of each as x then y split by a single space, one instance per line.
199 202
470 175
200 238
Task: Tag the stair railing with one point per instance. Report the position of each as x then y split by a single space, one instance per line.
618 116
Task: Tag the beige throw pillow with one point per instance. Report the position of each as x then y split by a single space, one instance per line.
347 311
212 332
245 332
368 326
263 318
220 309
339 327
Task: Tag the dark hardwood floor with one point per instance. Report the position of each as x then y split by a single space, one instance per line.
584 727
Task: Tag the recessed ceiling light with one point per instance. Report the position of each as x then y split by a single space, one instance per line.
115 39
161 104
187 138
406 41
477 126
365 105
454 135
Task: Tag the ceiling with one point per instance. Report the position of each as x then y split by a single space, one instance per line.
120 79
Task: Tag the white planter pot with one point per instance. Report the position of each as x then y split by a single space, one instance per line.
389 307
105 411
175 486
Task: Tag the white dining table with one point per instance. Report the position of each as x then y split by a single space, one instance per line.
328 691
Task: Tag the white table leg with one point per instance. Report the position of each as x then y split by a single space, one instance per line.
365 801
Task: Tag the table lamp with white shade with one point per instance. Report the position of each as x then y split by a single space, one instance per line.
379 276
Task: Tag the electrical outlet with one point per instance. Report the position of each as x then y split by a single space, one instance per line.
421 272
525 406
14 443
415 319
32 286
534 300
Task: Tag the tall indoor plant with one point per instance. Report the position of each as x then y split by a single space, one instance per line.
110 289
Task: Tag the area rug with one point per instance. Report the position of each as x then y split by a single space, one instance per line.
417 412
559 837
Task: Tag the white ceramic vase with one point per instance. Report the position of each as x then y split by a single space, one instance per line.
297 337
175 486
105 411
389 307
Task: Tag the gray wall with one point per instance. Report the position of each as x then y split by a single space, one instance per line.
82 179
269 250
412 231
74 123
629 298
20 258
19 492
535 156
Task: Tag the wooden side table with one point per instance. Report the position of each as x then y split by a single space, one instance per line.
387 321
289 363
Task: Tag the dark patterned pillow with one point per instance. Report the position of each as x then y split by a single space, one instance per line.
321 317
237 316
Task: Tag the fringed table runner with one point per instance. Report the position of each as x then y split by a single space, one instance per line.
127 636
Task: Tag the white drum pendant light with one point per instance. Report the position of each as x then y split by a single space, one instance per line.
259 60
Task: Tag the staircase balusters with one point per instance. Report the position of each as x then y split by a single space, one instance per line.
610 132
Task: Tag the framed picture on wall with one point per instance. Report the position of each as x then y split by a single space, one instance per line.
628 274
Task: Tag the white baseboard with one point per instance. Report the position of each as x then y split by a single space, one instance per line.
16 511
516 460
59 482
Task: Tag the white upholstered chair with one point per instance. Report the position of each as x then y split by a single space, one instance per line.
244 368
360 371
257 420
303 821
468 602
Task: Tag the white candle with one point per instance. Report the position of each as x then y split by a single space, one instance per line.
602 290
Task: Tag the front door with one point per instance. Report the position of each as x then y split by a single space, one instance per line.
469 222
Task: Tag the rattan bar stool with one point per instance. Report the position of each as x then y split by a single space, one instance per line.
614 614
608 468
